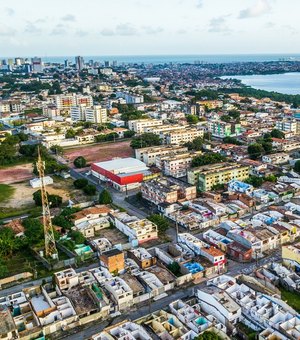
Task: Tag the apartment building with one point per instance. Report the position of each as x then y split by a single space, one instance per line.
136 229
291 255
139 125
130 98
276 158
65 102
167 190
148 155
95 114
209 175
288 125
183 136
221 129
176 164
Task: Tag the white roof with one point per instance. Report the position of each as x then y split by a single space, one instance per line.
123 165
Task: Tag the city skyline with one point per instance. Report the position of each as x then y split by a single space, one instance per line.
148 28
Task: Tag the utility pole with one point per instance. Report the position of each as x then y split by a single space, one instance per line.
50 246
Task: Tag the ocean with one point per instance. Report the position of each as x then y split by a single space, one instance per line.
287 83
164 59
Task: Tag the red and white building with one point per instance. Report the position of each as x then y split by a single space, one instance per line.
122 173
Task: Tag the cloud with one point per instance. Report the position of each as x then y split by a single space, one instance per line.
199 3
59 30
121 29
219 25
6 31
9 11
32 28
69 17
81 33
152 30
107 32
126 29
260 8
269 24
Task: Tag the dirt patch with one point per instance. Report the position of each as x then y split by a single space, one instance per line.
22 196
114 236
100 152
16 173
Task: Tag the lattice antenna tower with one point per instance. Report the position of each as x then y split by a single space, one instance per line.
50 246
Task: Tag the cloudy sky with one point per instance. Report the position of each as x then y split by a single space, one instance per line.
142 27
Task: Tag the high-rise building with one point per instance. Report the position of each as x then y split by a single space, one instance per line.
79 61
66 63
37 65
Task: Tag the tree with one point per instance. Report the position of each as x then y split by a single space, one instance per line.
277 134
297 167
145 140
8 242
271 178
231 140
161 222
71 133
80 183
90 189
80 162
207 158
255 150
62 221
57 149
105 197
196 144
77 236
129 134
174 267
54 200
34 230
208 335
192 119
267 146
255 181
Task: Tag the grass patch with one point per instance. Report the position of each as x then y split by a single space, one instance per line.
291 298
6 192
13 212
18 161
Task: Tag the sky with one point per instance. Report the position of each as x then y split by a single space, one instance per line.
148 27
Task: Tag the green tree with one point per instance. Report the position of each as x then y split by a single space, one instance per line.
231 140
196 144
255 181
90 189
277 134
255 150
54 200
192 119
297 167
207 158
80 162
80 183
34 230
145 140
77 236
8 242
161 222
267 146
208 335
62 221
105 197
174 267
71 133
57 149
271 178
129 134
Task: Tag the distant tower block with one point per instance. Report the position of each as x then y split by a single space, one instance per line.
50 246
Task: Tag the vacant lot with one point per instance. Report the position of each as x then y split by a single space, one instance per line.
100 152
16 173
6 191
22 193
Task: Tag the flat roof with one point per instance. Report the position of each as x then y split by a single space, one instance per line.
121 163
